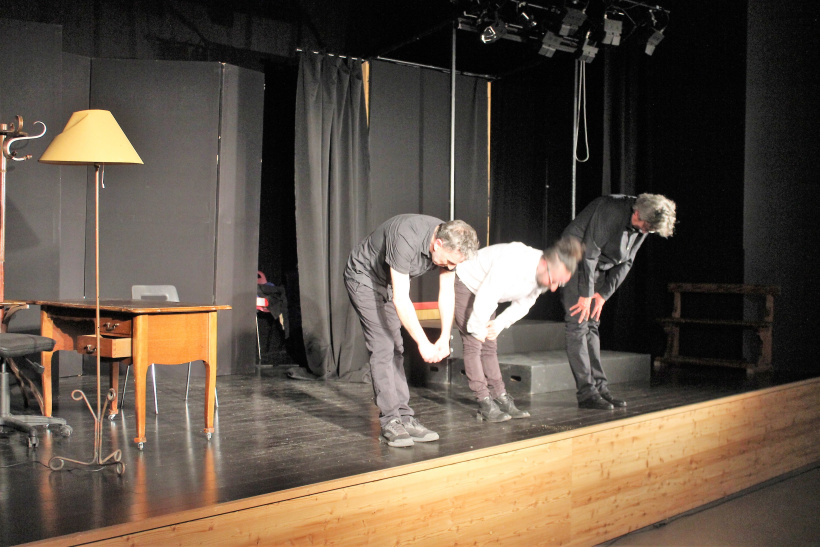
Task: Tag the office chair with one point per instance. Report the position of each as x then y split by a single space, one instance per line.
22 345
161 293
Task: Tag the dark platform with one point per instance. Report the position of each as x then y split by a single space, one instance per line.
532 358
271 434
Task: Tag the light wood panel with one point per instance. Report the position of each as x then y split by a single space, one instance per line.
579 487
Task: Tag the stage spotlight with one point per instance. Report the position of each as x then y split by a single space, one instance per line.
613 27
549 44
493 32
573 16
653 32
588 49
525 18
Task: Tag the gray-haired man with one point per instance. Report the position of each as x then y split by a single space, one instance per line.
612 229
377 277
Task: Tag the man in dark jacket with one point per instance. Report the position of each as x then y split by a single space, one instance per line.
612 229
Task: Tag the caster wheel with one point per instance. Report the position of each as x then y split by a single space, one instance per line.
33 442
208 436
65 430
112 417
140 445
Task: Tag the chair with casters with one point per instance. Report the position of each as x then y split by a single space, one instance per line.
23 345
160 293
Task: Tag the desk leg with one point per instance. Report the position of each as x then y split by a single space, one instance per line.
210 375
48 330
114 383
139 354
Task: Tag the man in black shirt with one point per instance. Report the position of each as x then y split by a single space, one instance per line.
377 277
612 229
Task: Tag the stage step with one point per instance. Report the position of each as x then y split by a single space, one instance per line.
524 336
546 371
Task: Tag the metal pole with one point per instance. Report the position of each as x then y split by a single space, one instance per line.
453 128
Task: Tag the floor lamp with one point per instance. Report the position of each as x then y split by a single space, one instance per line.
92 137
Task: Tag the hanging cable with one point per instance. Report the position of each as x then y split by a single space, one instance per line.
582 100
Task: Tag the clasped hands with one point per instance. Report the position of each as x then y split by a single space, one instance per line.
589 307
434 353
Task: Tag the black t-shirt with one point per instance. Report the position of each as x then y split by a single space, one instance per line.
401 243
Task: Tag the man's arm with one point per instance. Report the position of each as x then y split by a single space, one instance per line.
446 309
409 319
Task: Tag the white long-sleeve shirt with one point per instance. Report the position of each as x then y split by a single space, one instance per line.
501 273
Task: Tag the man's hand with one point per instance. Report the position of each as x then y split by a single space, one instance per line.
443 348
581 307
430 352
597 306
492 331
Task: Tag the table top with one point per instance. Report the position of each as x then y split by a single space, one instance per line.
136 307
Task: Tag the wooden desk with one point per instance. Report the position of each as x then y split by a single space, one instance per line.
159 332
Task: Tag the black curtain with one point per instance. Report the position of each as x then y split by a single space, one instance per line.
332 170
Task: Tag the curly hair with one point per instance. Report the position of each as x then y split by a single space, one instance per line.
658 212
457 235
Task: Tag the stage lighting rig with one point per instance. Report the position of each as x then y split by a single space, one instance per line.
579 27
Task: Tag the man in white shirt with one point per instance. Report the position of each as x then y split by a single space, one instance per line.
507 272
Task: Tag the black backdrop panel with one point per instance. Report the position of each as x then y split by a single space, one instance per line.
157 220
410 149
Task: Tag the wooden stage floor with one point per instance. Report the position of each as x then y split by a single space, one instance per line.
272 434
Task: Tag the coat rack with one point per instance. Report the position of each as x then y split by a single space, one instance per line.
10 133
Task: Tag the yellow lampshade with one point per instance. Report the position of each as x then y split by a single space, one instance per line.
89 137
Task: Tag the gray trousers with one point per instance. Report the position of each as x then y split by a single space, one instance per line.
480 358
583 345
382 336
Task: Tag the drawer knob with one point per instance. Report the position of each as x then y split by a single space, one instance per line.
90 349
109 326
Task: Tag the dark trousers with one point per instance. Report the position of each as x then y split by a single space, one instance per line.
480 358
583 345
382 336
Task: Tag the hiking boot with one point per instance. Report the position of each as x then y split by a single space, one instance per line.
394 434
488 410
505 403
418 433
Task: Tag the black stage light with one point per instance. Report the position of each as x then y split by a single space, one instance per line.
587 50
613 27
549 44
573 16
653 31
493 32
525 18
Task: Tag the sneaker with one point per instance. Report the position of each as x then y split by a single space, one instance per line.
394 434
418 432
488 410
506 404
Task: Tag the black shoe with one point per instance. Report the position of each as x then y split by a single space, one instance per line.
488 410
506 404
615 402
596 402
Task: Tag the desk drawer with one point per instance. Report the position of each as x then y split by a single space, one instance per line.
113 347
115 326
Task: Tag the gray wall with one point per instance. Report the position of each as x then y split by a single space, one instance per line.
782 189
410 150
188 217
